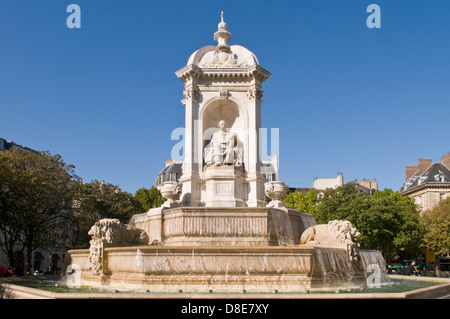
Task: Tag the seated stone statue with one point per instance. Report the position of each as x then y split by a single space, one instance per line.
223 150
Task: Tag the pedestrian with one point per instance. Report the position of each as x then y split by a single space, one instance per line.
3 271
389 270
11 272
412 269
438 272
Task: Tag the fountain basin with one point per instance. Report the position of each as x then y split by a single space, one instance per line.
226 269
44 287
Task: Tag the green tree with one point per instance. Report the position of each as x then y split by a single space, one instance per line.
402 222
305 203
436 223
387 221
35 196
93 201
379 225
108 201
345 202
409 238
149 198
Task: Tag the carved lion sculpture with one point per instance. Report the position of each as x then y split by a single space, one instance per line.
336 233
112 231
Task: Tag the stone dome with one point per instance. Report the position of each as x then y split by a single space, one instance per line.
208 57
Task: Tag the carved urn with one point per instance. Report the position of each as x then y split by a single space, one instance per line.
275 190
170 191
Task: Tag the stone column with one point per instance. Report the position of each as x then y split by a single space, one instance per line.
191 182
256 180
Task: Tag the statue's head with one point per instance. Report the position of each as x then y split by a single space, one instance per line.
222 125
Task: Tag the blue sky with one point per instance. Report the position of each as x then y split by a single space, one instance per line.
346 98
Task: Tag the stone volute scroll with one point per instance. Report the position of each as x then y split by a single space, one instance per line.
223 149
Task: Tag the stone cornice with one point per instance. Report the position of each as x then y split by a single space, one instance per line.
253 71
424 186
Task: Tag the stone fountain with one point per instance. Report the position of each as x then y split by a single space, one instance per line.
216 232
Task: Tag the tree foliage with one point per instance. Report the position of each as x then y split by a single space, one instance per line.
149 198
35 195
391 224
346 202
109 201
43 204
436 224
303 202
386 220
96 200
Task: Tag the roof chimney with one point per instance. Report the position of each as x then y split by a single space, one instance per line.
424 163
170 162
446 160
410 170
340 179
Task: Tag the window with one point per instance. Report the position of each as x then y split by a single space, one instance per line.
419 200
173 177
443 196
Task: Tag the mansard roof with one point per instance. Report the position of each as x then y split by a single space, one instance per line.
164 175
437 174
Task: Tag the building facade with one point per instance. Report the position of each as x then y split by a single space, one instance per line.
320 185
428 183
8 145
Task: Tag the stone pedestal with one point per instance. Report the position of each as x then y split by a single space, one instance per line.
224 186
223 226
203 226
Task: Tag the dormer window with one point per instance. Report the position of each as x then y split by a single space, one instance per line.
439 177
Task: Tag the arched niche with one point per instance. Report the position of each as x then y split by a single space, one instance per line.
234 116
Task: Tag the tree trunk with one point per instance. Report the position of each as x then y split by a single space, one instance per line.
29 263
11 258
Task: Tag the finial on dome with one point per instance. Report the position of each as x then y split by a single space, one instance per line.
222 36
